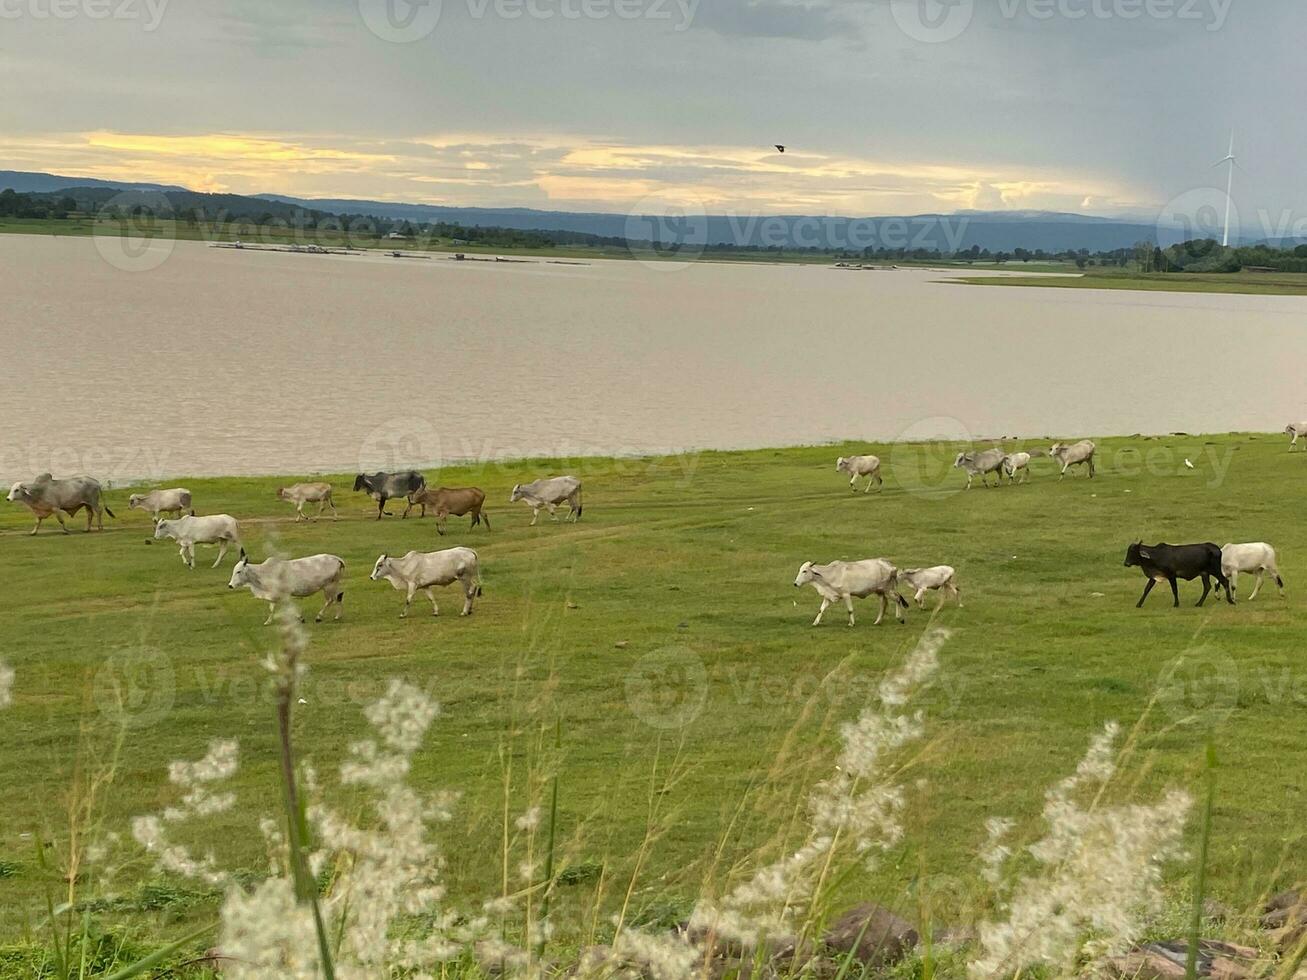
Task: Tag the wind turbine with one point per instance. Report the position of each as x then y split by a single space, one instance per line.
1229 188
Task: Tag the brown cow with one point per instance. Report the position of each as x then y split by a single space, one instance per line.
444 502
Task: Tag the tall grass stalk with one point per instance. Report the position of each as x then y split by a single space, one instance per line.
1200 870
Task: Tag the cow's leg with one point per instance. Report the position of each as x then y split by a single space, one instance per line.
1261 577
222 553
921 599
469 593
1147 589
1175 591
442 522
880 616
957 593
848 603
272 613
335 515
60 518
535 516
408 600
853 483
825 604
1223 582
1207 588
381 508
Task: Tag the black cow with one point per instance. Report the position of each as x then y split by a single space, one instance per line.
383 487
1167 563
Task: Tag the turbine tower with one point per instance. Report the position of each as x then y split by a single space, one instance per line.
1229 189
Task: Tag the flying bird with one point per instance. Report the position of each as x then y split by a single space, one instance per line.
1189 464
780 147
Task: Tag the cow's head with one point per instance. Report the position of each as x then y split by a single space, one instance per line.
381 569
517 494
134 501
962 458
18 492
162 529
806 575
1136 555
360 483
240 575
1056 449
841 465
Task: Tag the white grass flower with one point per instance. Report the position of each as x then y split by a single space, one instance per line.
857 806
1102 874
403 716
6 685
530 820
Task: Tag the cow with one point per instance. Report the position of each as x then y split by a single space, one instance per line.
859 466
1167 563
844 581
941 578
45 496
219 529
384 487
417 572
444 502
1258 559
279 579
1015 463
175 502
1297 430
1081 454
309 493
548 495
981 465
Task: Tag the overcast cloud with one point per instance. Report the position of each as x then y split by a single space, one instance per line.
888 106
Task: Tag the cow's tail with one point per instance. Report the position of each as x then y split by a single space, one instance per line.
109 512
901 601
580 504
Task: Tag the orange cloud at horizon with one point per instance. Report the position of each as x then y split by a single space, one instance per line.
492 170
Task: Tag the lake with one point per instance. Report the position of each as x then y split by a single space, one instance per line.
224 362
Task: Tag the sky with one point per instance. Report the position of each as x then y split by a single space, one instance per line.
1111 107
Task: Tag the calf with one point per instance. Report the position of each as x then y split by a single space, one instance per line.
548 495
418 572
1167 563
981 465
279 579
309 493
1297 430
444 502
859 466
45 497
1015 463
1081 454
158 502
383 487
844 581
219 529
942 579
1255 559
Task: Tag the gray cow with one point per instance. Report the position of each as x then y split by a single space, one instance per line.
45 496
981 465
384 487
549 495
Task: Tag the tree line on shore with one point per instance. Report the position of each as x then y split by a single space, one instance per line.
215 214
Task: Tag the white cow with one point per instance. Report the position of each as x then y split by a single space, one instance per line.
981 465
1015 463
549 494
941 578
158 502
1258 559
279 579
858 466
309 493
844 581
1297 430
1067 456
417 572
220 529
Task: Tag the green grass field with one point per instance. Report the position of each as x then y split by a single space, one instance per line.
664 642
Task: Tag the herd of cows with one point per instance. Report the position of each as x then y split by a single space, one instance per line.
278 579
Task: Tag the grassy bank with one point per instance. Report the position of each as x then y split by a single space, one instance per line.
1251 283
662 644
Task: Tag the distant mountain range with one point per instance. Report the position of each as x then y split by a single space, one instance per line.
993 230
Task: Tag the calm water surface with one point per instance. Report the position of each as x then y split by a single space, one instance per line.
227 362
